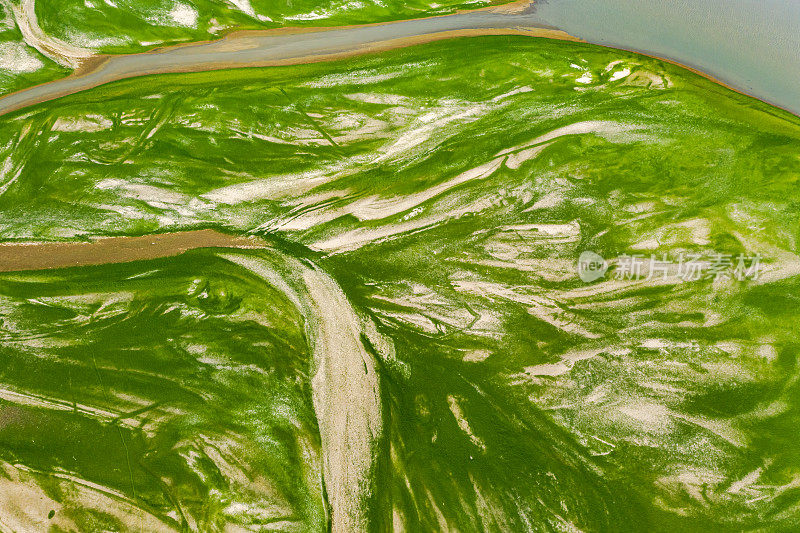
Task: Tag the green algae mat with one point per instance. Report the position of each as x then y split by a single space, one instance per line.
504 284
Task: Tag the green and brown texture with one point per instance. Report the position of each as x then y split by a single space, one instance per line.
44 40
440 196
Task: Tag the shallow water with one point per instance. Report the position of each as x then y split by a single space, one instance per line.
753 46
259 49
756 51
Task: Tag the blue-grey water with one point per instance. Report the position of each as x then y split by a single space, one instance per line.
751 45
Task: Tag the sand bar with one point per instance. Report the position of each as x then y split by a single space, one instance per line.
38 256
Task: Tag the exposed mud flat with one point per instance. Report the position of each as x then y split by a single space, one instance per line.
103 250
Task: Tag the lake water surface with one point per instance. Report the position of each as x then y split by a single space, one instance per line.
752 45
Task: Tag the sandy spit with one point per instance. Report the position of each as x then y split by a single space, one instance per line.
38 256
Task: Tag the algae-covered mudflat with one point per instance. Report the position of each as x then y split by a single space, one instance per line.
394 334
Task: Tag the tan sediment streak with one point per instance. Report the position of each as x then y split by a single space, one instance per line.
345 384
347 403
59 51
104 250
238 41
25 505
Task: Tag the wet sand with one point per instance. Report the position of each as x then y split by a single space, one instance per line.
37 256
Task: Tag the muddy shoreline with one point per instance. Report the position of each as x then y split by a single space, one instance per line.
297 45
286 46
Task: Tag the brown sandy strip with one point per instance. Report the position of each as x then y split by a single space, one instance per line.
405 42
243 40
38 256
515 7
239 41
